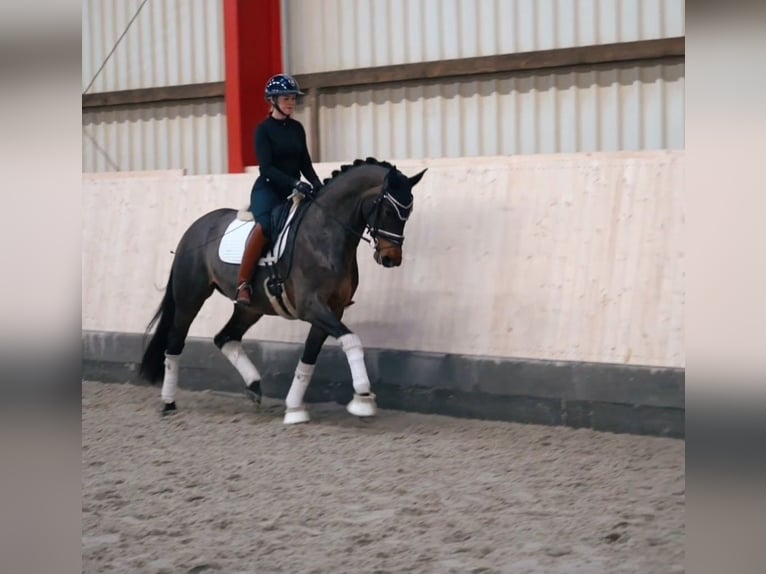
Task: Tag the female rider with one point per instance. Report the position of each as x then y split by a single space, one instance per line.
280 144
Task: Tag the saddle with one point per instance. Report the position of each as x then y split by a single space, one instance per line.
232 245
284 219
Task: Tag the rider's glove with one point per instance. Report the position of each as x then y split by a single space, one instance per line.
304 188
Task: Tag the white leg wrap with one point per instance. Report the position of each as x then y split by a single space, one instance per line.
352 346
233 351
299 385
170 380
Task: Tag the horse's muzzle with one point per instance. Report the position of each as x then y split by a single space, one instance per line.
391 257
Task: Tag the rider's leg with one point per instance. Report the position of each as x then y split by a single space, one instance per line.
255 244
262 201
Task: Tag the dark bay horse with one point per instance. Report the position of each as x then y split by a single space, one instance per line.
320 275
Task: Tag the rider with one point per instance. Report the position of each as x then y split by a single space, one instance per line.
280 144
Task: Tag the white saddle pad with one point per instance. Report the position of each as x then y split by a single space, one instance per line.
232 245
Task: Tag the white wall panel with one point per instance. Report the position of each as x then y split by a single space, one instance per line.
566 257
183 136
325 35
171 42
628 108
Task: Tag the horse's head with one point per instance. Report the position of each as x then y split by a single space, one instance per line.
391 209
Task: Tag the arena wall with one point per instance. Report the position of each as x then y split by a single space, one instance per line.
544 288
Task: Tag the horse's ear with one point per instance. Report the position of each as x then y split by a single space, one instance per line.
416 178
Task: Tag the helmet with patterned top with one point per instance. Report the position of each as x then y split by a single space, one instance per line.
281 85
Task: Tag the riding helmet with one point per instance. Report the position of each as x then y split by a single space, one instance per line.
282 85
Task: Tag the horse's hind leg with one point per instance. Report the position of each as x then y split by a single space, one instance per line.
185 311
296 411
229 341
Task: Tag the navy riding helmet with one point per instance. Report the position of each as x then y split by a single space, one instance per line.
281 85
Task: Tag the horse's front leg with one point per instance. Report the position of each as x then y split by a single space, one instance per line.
296 411
363 403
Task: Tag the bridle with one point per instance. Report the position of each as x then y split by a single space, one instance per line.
373 219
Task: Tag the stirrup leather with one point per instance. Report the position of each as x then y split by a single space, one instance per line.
244 286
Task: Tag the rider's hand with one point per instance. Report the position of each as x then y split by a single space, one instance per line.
304 188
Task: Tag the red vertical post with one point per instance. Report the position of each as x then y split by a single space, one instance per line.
253 51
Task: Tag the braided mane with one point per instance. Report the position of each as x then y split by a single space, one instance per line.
367 161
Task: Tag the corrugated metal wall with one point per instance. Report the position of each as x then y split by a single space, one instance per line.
604 109
181 41
171 42
185 136
324 35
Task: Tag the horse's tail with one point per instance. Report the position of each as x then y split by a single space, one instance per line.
153 362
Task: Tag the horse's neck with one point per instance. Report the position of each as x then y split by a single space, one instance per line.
339 222
348 207
347 196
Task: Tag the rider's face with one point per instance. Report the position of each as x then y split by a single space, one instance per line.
287 104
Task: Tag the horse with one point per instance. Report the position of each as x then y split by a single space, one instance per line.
318 276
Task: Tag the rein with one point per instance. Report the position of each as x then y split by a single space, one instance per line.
347 227
402 212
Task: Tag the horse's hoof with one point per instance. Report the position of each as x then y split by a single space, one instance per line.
362 405
169 409
253 392
296 416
